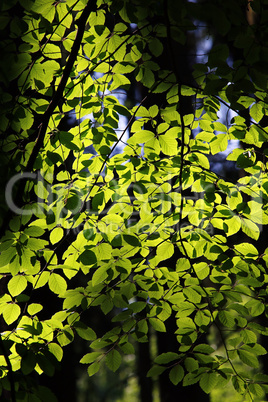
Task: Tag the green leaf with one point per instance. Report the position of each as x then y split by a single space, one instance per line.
192 295
248 336
34 231
28 362
190 379
166 358
132 240
238 384
256 307
248 358
208 381
233 225
191 364
156 47
165 250
55 350
226 319
219 143
148 220
99 275
66 139
7 255
88 257
93 368
121 109
247 249
141 137
56 235
250 228
113 360
98 200
52 51
57 283
73 204
168 144
256 112
176 374
127 348
65 336
84 331
41 280
202 270
34 308
155 371
157 324
54 157
11 313
17 285
203 348
90 357
257 390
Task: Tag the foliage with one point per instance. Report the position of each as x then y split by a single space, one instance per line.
87 203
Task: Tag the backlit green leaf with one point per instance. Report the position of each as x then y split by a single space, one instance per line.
165 250
226 319
56 350
99 275
157 324
57 283
17 285
202 270
247 249
90 357
208 381
256 112
248 358
56 235
84 331
93 368
34 308
11 313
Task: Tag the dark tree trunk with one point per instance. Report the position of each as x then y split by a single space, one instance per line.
143 366
167 342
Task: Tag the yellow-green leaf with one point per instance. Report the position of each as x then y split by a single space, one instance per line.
17 284
11 313
56 235
34 308
57 283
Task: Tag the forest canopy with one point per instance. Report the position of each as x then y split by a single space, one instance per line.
134 196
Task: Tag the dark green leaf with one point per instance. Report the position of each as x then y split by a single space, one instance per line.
132 240
84 331
87 258
166 358
113 360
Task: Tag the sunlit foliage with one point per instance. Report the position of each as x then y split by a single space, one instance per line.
114 204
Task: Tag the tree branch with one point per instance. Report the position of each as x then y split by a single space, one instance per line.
81 23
